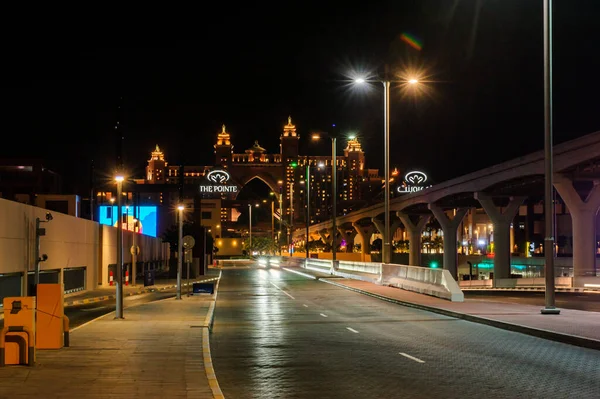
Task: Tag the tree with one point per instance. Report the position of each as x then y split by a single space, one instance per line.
261 245
171 235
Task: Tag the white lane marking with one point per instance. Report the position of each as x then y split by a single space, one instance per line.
352 329
324 315
412 357
305 305
92 309
282 290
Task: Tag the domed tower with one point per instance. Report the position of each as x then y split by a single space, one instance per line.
255 153
223 148
155 170
289 142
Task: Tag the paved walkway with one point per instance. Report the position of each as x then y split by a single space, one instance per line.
159 350
575 327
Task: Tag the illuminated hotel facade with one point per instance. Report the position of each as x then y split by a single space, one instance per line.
284 173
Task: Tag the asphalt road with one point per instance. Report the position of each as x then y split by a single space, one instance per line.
281 335
567 300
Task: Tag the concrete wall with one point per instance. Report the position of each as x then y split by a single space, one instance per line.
228 246
69 242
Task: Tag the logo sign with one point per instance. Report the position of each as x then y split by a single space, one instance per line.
413 181
217 181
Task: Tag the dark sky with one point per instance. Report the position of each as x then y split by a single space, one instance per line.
184 72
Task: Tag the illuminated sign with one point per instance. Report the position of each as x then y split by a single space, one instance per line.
413 181
217 181
145 216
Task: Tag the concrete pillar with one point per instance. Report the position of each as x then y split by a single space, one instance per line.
501 221
365 233
583 218
380 226
415 230
326 239
347 235
449 227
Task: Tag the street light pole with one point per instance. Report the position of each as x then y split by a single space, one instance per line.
179 250
334 207
307 180
119 285
272 219
250 229
386 248
291 218
548 167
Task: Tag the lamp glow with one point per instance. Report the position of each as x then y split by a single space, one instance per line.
359 80
119 178
413 81
181 207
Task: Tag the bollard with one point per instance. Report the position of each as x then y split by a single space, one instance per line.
66 331
110 277
30 342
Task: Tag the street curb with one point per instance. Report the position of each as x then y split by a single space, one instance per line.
542 289
209 369
107 297
539 333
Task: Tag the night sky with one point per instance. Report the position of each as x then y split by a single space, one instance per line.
183 73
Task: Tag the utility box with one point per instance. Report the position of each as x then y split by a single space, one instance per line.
17 342
50 315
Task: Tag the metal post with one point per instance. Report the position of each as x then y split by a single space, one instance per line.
188 271
386 248
250 229
134 252
36 279
291 218
334 200
548 167
119 284
273 220
204 251
307 182
280 219
179 253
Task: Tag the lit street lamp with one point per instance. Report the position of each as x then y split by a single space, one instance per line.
386 248
180 208
119 285
250 227
549 307
316 136
112 212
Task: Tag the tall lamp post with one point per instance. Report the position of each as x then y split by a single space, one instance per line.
548 167
317 136
250 227
112 212
307 180
179 250
119 285
386 248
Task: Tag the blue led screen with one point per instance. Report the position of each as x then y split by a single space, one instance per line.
147 216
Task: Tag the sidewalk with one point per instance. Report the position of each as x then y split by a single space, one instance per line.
159 350
574 327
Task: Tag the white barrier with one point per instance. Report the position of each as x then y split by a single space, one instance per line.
435 282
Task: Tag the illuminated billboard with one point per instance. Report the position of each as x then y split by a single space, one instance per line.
147 216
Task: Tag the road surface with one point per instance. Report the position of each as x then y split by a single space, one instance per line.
280 335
